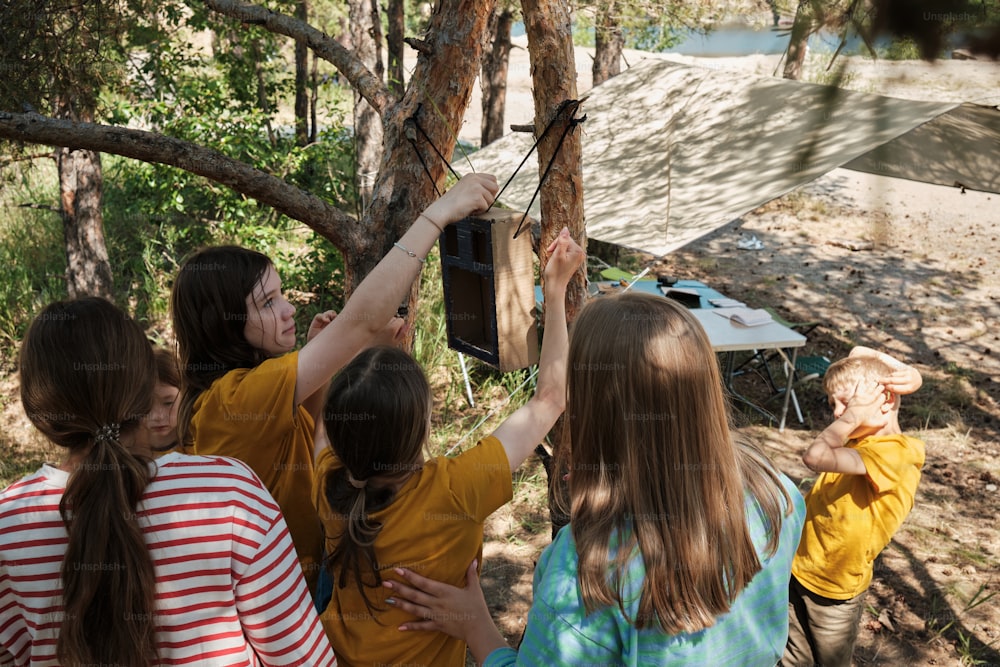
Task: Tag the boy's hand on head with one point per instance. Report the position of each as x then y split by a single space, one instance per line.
864 409
565 257
474 193
319 322
904 379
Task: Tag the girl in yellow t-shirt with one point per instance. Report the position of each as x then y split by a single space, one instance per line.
383 506
248 393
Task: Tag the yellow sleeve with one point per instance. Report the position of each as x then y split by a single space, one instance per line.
480 478
249 413
889 460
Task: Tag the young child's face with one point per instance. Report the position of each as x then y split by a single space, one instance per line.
161 423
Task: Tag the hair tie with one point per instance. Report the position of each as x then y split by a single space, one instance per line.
356 483
108 432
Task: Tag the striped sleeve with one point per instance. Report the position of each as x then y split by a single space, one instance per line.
274 605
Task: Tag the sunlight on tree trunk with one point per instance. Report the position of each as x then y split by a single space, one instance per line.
553 68
366 36
798 42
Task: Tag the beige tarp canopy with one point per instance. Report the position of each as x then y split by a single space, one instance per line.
671 152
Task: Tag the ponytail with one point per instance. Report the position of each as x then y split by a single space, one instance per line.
377 415
87 376
354 558
108 579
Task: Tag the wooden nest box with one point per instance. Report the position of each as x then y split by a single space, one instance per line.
489 289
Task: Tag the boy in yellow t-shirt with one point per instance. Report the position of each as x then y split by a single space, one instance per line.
870 472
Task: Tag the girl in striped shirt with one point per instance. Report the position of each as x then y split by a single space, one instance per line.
112 559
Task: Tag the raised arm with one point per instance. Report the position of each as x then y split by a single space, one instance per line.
864 410
374 303
524 429
904 379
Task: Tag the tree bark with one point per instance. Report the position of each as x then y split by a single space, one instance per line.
493 80
365 34
302 79
609 42
396 79
553 76
802 28
88 270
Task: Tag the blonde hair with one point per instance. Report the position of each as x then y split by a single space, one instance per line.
653 461
847 372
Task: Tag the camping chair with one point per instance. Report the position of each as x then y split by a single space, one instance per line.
806 368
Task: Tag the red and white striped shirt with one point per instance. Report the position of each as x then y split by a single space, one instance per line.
229 589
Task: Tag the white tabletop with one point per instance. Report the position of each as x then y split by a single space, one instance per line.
726 336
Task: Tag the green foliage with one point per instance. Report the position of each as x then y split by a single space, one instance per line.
904 48
648 26
32 257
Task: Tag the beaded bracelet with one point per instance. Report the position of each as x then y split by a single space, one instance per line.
410 253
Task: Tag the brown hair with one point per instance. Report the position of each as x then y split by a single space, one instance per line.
87 369
654 462
377 416
167 370
209 308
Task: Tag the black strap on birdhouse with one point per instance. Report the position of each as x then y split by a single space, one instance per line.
412 126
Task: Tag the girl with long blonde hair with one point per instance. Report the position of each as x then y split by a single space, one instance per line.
682 532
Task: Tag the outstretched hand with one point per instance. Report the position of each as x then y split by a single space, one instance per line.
474 193
565 257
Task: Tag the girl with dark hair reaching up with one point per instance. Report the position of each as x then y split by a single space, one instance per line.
681 536
383 505
112 559
248 393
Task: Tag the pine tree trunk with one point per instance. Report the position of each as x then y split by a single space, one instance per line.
365 35
553 67
394 39
609 42
301 80
493 80
802 28
447 66
88 271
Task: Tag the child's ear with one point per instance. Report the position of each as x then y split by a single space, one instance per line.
890 401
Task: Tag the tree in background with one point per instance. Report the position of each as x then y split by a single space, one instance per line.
58 58
419 129
493 78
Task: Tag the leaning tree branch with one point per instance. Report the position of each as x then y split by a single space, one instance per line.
369 86
294 202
